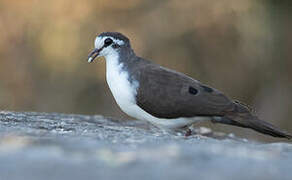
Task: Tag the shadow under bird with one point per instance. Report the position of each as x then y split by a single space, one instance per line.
164 97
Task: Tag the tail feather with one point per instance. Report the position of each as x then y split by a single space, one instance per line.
246 120
267 128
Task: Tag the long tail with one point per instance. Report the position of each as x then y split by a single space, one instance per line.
246 120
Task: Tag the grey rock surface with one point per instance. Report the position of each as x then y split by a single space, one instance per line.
59 146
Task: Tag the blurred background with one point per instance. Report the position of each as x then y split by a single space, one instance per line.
242 48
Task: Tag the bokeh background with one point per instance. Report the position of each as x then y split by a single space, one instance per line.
242 48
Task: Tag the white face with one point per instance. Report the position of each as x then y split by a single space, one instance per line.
100 42
105 46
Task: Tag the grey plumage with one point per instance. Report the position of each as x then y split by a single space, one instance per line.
168 94
165 93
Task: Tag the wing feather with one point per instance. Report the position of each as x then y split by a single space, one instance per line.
165 93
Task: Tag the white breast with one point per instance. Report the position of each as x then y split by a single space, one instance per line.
117 79
125 92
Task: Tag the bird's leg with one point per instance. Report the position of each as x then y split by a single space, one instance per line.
188 132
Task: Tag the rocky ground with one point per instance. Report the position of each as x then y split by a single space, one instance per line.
58 146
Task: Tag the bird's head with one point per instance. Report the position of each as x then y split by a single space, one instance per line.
108 43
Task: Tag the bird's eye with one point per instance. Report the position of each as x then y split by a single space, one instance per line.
107 42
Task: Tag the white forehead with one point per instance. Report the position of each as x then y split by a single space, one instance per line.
99 41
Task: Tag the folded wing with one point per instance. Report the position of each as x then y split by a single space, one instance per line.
168 94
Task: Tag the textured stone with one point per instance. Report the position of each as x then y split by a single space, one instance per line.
62 146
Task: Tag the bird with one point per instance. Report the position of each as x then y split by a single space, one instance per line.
166 98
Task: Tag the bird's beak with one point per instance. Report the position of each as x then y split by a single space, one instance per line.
93 54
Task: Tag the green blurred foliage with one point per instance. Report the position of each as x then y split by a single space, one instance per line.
240 47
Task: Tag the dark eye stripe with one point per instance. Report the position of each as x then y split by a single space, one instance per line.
107 42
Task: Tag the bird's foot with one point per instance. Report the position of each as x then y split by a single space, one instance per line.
188 132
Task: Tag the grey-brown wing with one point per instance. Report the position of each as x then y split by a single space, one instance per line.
168 94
